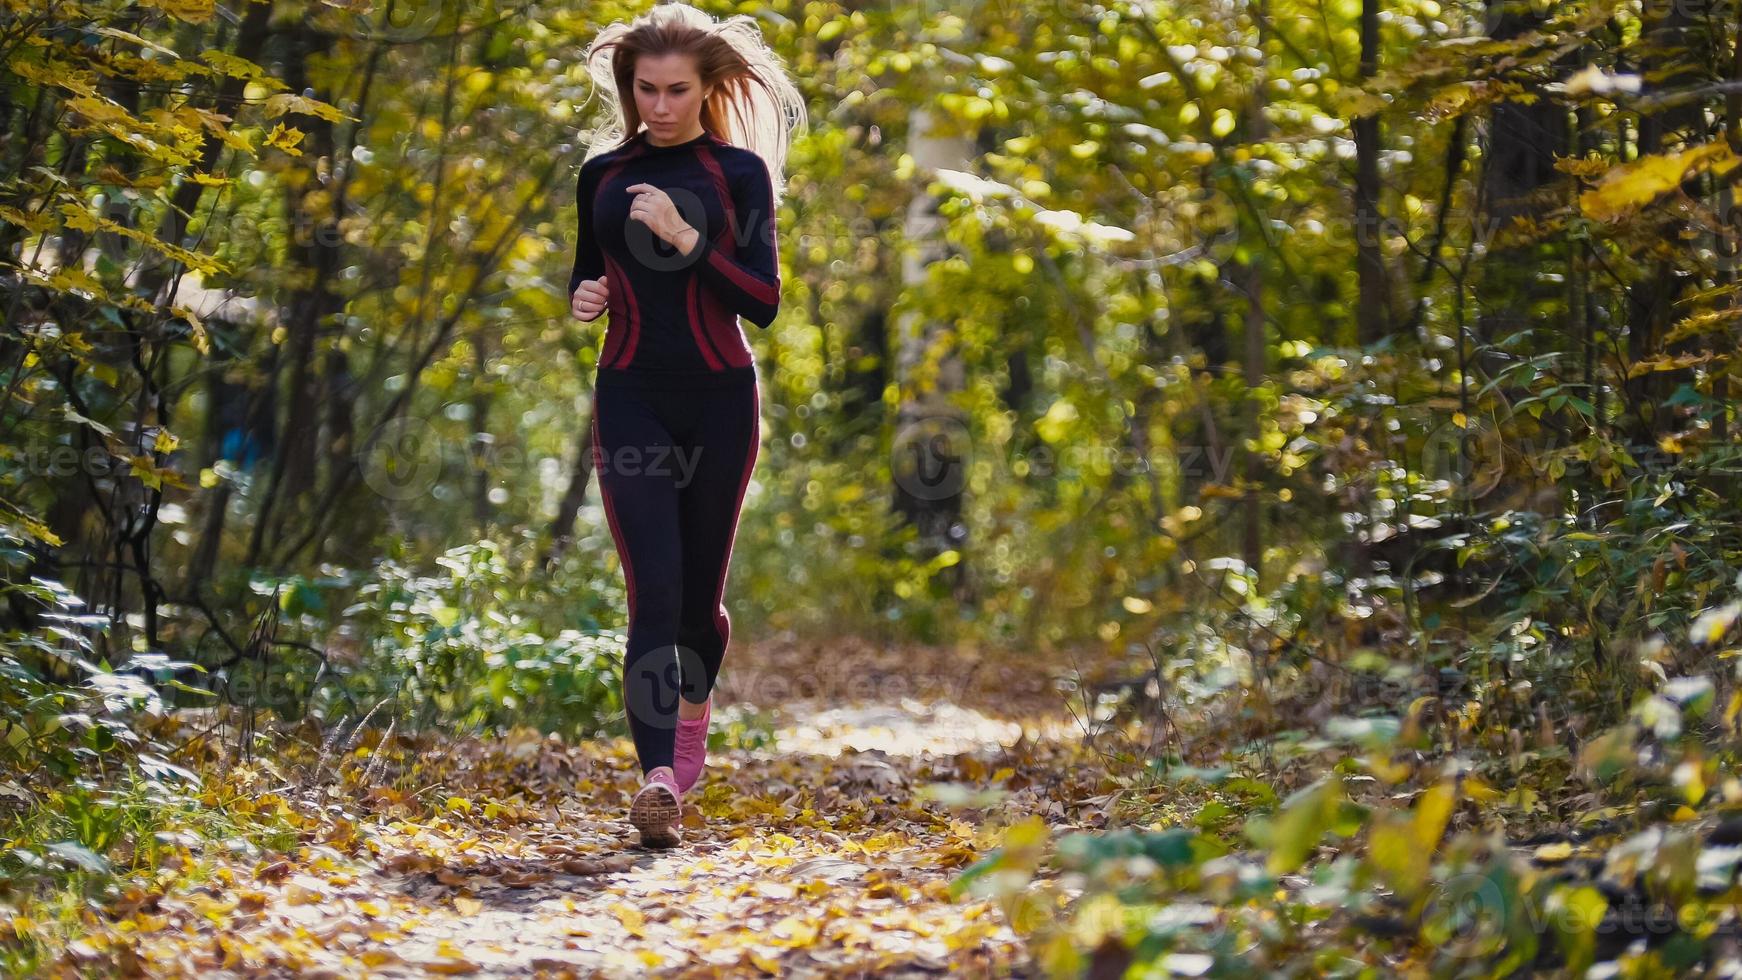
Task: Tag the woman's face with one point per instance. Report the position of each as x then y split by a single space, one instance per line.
668 95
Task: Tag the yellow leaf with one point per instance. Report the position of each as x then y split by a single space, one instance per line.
1554 853
192 11
1389 848
286 139
1432 812
633 921
34 221
202 342
1352 102
795 931
36 529
231 65
301 895
283 102
148 474
1710 626
116 32
1633 185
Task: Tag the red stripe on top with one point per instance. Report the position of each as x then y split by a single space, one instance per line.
729 233
763 292
628 338
723 325
614 331
634 330
703 344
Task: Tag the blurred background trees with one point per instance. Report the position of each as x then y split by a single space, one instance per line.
1269 345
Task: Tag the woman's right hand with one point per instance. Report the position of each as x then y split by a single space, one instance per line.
589 299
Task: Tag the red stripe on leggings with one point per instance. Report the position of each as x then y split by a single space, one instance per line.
611 514
723 622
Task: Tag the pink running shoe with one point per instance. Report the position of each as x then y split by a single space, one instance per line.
691 749
656 808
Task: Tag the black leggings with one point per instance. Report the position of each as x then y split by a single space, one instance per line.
673 464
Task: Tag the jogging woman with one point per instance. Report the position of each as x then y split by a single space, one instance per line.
677 242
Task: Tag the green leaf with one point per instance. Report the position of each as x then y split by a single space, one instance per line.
1293 833
76 853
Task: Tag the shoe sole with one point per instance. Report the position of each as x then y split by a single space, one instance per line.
654 812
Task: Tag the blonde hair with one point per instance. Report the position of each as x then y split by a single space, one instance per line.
753 103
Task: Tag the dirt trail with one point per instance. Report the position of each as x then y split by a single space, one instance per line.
820 854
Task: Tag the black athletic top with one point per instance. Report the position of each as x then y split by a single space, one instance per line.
674 317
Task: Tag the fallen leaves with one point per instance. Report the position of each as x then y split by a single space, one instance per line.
834 850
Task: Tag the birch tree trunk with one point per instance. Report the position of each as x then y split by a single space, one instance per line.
930 452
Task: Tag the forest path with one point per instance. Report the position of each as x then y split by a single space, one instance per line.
828 852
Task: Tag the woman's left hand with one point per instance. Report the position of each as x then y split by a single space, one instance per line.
654 208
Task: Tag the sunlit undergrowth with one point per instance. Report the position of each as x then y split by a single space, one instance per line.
1530 767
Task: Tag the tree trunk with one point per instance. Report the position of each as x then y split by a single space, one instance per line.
1252 505
1667 52
1372 312
562 528
931 442
316 243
